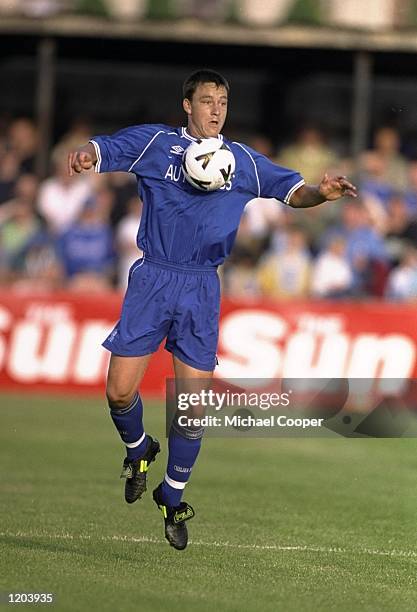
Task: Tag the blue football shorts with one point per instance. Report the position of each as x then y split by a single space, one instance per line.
178 302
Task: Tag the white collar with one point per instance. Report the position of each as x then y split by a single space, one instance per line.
188 136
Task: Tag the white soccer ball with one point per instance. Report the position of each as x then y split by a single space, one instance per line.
208 164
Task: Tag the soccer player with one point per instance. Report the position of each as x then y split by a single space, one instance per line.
173 290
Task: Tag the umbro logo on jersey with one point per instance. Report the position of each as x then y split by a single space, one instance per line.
177 150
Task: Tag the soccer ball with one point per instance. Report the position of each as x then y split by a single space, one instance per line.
208 164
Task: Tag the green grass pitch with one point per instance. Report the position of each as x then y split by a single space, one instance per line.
281 524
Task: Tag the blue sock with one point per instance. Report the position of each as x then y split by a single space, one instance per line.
181 458
128 422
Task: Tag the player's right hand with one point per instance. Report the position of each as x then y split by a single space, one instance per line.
79 161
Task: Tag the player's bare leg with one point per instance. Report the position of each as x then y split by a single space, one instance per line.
124 376
184 446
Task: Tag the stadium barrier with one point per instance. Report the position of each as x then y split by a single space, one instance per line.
52 343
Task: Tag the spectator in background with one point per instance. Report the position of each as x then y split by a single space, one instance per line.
313 225
263 144
264 214
384 169
239 271
402 282
247 242
124 188
375 182
387 146
9 173
400 228
80 130
62 199
22 139
286 274
41 270
26 189
365 249
331 276
241 281
19 226
309 153
35 267
411 192
126 236
86 248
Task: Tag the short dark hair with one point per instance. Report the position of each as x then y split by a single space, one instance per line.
202 76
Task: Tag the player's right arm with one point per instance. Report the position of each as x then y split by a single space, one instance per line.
83 158
124 151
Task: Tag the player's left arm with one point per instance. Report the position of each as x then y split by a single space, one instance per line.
329 189
288 186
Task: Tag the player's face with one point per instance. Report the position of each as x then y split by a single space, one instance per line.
207 110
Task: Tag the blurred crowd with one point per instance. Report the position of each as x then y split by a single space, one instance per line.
375 15
79 233
364 248
75 233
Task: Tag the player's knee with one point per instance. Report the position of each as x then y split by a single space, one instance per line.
119 398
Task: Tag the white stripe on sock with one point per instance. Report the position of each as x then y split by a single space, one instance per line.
174 483
135 444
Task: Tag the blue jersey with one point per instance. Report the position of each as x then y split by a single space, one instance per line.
181 224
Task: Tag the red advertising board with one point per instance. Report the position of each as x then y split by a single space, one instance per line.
52 343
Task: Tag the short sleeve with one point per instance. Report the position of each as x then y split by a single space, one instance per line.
123 151
275 181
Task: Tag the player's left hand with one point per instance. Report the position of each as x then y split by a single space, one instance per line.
333 188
